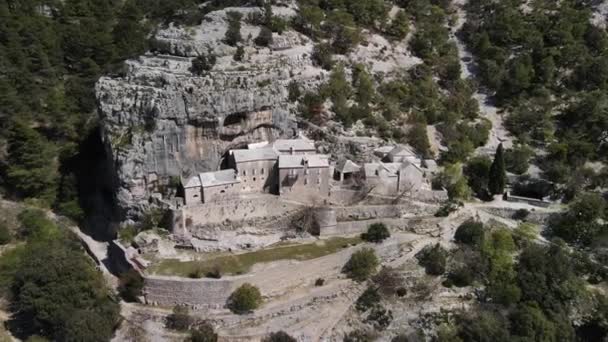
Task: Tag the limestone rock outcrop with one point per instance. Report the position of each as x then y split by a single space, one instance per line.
160 121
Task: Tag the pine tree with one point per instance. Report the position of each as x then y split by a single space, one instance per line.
32 170
498 176
233 34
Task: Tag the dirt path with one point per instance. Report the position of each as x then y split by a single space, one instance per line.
498 133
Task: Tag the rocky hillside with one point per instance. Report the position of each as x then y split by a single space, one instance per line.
161 120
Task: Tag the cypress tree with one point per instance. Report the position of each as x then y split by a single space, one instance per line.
498 175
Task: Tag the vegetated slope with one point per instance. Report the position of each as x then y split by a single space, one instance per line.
546 62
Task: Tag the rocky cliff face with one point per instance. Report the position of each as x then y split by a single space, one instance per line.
160 121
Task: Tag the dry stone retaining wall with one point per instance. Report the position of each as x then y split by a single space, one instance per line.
198 293
234 209
536 217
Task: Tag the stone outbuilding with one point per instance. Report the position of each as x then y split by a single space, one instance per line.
394 178
211 186
346 170
400 154
304 175
193 193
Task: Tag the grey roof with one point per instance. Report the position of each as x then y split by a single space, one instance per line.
431 165
401 151
242 156
193 182
288 161
216 178
285 145
384 150
347 166
391 169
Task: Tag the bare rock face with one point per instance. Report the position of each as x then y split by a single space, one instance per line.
160 121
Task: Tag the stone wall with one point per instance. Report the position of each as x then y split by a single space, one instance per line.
235 209
536 217
417 225
198 293
310 183
220 192
364 212
527 200
257 175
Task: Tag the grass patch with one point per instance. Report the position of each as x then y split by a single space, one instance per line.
242 263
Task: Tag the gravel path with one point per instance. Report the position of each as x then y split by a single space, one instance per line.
499 133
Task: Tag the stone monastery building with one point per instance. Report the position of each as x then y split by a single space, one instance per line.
281 167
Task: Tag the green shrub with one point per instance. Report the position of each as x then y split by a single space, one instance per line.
461 276
322 56
5 234
215 273
517 160
279 336
376 232
418 138
264 38
35 225
433 259
521 214
239 54
358 336
203 333
399 26
203 63
361 265
368 299
380 317
245 299
131 285
233 34
470 233
448 208
319 282
294 91
388 281
179 319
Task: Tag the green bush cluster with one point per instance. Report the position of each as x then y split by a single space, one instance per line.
361 265
245 299
376 232
434 259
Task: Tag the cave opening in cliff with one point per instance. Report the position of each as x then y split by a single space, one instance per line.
226 161
96 186
235 119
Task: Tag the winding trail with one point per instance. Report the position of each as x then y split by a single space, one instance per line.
498 133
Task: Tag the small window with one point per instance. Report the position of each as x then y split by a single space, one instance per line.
244 172
318 180
254 172
305 181
262 170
